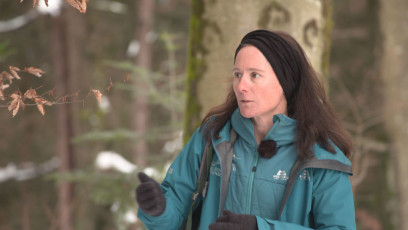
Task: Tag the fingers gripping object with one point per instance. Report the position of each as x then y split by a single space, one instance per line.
149 196
232 221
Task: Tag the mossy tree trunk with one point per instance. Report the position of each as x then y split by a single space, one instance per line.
216 29
394 22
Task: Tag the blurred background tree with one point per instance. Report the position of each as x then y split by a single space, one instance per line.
394 27
83 47
140 47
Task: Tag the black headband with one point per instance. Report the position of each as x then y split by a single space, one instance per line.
281 55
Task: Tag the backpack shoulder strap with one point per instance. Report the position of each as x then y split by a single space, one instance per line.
202 181
227 156
309 163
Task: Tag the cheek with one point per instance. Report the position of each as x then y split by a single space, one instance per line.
235 87
274 94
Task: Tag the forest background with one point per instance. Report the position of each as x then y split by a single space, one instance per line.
74 167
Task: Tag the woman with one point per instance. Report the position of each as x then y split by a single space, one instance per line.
289 168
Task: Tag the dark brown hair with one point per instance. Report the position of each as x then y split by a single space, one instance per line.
307 100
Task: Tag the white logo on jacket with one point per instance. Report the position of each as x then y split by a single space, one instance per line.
234 158
280 175
215 168
305 175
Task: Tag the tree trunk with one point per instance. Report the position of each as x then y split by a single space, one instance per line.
216 29
140 107
78 80
394 22
64 126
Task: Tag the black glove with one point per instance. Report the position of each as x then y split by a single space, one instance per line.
232 221
149 196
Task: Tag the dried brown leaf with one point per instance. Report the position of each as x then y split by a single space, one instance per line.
30 94
78 4
16 107
12 105
34 71
110 85
4 86
15 103
98 95
7 76
14 71
1 91
40 108
42 101
15 95
35 3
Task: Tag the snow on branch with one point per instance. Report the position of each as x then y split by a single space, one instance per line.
27 170
18 22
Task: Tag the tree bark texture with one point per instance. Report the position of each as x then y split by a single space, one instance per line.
65 149
216 29
78 80
140 107
394 23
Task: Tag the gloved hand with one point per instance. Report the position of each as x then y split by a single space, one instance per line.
232 221
149 196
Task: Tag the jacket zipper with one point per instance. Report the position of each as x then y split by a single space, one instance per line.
251 183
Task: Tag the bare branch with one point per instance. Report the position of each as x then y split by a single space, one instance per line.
18 22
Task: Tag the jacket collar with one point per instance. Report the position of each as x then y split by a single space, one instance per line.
283 131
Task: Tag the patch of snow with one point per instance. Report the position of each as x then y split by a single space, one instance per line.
152 172
133 48
27 170
54 7
175 144
105 104
111 160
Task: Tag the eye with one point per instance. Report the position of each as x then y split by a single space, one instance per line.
237 74
255 75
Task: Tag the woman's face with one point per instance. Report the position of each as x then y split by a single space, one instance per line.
258 91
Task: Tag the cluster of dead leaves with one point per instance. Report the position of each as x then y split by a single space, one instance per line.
19 100
77 4
31 94
4 76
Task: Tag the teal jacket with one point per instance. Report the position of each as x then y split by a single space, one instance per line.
282 192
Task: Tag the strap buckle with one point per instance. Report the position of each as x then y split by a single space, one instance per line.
205 189
195 195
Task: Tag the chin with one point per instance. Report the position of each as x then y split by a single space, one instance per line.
247 114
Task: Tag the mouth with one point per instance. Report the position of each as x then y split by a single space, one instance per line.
245 101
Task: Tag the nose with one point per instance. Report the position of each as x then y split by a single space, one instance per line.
243 84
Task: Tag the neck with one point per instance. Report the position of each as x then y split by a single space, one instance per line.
261 128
